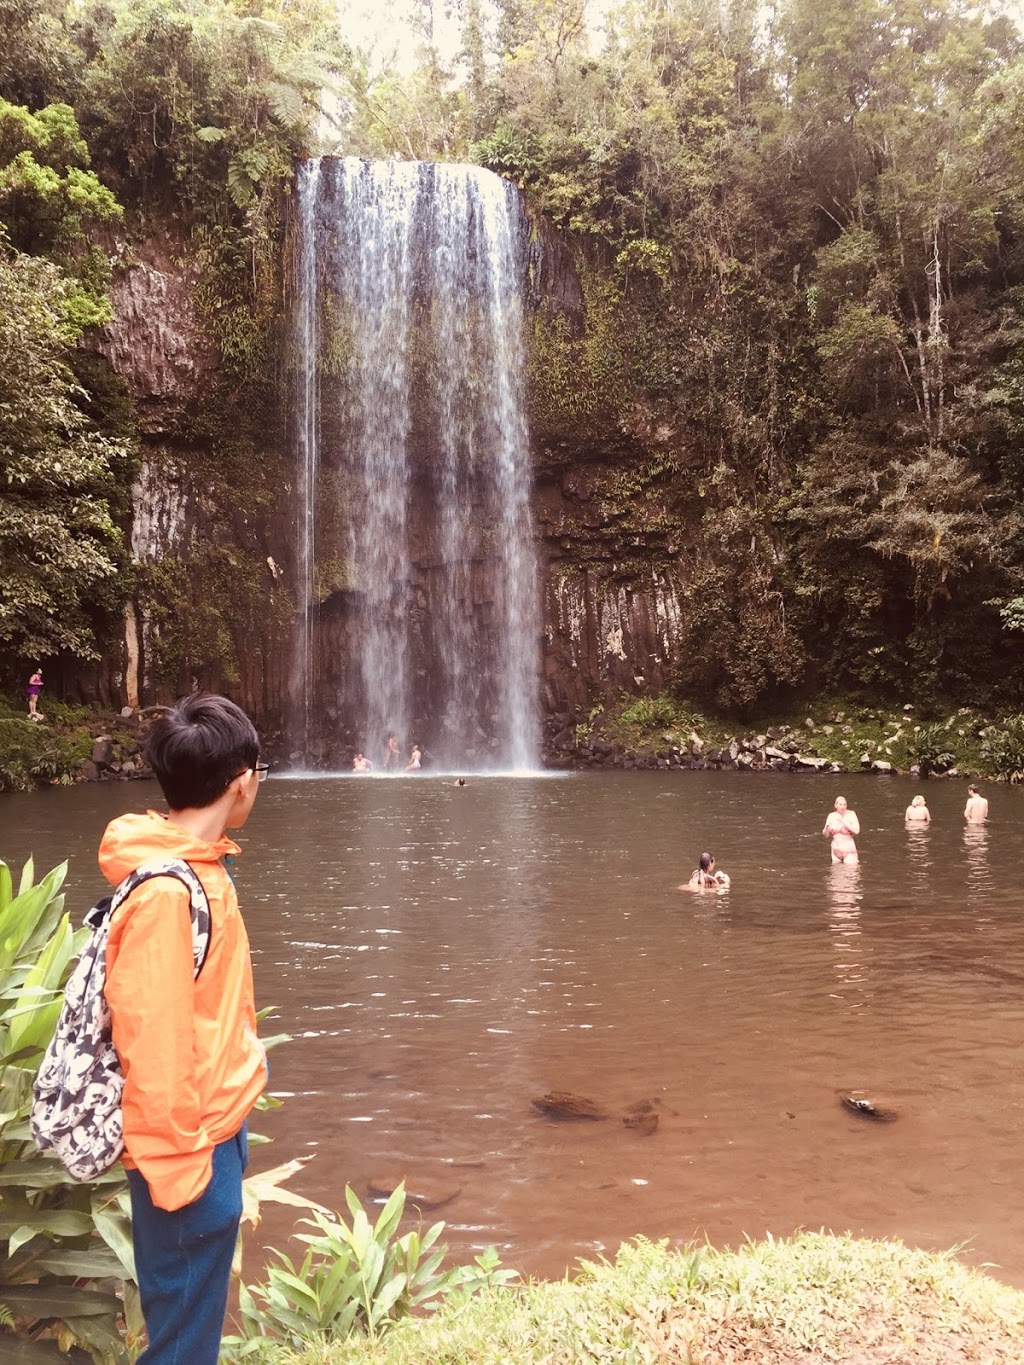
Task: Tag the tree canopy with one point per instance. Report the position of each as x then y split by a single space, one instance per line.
798 230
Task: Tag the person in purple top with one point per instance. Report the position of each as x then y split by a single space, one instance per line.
35 686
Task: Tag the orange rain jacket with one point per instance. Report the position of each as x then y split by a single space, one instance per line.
193 1066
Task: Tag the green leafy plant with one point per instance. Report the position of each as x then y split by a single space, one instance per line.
353 1280
33 755
931 749
66 1266
649 713
1002 749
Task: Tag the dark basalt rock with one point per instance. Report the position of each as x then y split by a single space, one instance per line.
560 1104
643 1124
419 1193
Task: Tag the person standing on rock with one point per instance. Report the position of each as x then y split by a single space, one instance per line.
841 825
976 810
392 756
35 686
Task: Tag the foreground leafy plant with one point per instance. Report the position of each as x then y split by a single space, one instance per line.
353 1280
66 1266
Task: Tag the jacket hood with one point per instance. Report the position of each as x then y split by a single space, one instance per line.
131 840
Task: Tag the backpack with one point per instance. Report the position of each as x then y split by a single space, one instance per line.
76 1112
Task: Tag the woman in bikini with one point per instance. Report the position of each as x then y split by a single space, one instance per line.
705 878
841 825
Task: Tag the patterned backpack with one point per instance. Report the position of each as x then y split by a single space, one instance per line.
76 1112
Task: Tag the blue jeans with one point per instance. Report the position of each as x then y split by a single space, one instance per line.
183 1261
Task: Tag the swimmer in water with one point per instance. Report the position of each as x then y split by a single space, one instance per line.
841 825
976 810
917 812
705 878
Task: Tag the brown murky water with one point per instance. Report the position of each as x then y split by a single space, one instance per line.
443 955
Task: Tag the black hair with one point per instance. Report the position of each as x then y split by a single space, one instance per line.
197 749
706 859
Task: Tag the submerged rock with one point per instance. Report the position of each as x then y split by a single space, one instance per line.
561 1104
419 1193
644 1123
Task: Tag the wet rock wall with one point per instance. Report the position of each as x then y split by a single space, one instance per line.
213 532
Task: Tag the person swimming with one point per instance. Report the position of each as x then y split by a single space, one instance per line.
841 825
706 878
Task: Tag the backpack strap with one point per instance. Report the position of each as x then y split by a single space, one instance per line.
199 904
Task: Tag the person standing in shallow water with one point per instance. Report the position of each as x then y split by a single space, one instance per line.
392 756
841 825
976 810
917 812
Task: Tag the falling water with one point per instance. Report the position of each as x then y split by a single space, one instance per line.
417 562
308 452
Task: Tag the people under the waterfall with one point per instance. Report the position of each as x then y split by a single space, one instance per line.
392 755
706 876
35 686
361 764
917 812
976 810
415 760
841 825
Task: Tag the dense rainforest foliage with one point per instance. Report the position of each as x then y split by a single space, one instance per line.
800 236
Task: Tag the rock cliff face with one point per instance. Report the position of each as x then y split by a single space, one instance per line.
214 512
210 497
157 341
607 511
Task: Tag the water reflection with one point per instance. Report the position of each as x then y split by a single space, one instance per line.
919 853
845 893
979 874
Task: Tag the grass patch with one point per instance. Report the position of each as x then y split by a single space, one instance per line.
811 1298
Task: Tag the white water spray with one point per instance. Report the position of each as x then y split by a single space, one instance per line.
414 450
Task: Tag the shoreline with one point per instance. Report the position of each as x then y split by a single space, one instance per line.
76 744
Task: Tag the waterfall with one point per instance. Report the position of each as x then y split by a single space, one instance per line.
417 577
308 451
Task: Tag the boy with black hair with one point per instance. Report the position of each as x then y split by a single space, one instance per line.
193 1066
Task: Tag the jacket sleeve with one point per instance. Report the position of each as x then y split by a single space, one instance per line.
151 993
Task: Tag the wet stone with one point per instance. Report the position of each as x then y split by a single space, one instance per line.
562 1104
